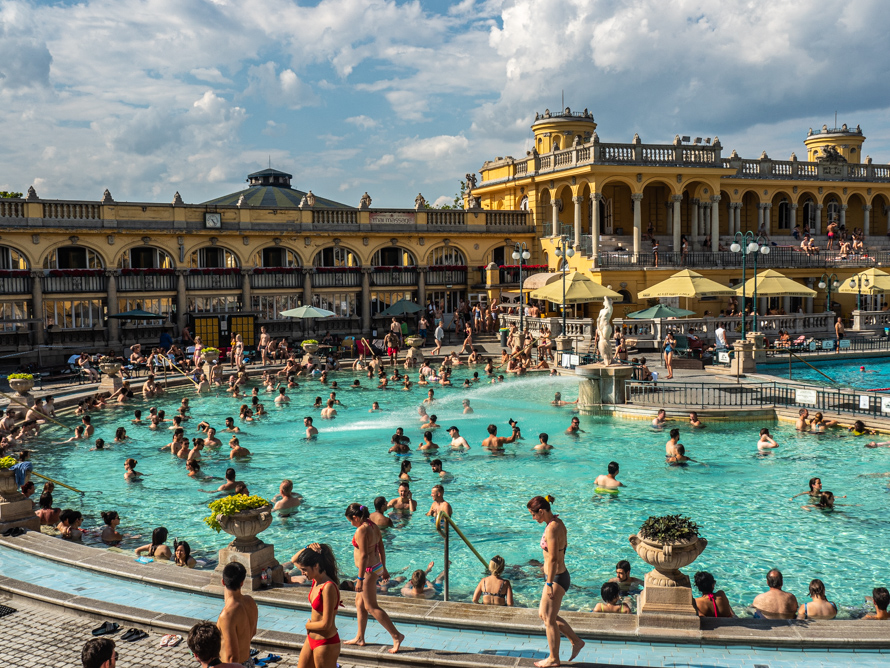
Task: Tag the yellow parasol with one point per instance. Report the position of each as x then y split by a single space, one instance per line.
686 283
770 283
579 289
869 282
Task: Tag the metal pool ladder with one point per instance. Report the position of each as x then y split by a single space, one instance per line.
444 519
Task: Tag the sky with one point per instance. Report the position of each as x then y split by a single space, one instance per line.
150 97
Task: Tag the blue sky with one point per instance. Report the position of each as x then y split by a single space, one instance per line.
150 97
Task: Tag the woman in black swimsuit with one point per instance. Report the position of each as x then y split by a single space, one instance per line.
494 589
556 580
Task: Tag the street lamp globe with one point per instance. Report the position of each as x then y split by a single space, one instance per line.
515 255
735 248
852 282
821 285
752 247
525 255
835 283
570 252
558 252
764 250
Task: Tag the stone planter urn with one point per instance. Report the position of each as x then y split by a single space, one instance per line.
310 348
8 488
110 368
666 601
21 385
15 508
210 358
245 526
256 556
415 341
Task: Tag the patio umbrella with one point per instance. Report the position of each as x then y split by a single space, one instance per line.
660 311
307 312
686 283
869 282
137 314
770 283
401 307
580 289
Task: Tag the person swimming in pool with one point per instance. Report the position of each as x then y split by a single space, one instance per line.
694 422
404 501
608 480
670 448
543 445
766 441
575 428
859 429
680 458
660 419
311 432
815 489
399 446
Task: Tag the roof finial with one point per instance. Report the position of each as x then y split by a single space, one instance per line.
270 161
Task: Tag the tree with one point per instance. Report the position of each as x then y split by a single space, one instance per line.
458 199
4 194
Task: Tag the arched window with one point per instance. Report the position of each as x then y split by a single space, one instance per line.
809 215
336 256
448 256
10 258
784 215
276 256
626 297
834 211
391 256
523 203
555 144
145 257
213 257
73 257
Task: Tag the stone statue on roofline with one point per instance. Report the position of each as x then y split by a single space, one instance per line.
419 202
604 329
365 201
310 198
471 181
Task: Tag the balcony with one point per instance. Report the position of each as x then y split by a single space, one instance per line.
146 280
74 280
509 273
15 282
394 276
336 277
778 258
277 277
451 275
214 279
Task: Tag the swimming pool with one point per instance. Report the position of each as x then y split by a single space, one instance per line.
739 499
844 372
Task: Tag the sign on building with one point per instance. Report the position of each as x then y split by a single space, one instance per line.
807 397
392 218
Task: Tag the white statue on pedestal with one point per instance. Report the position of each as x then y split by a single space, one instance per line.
604 329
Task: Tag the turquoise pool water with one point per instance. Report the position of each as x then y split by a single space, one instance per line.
739 499
845 373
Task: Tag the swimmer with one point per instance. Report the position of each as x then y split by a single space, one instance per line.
432 424
404 501
612 602
428 442
237 451
543 445
494 442
766 441
815 489
334 398
430 399
109 531
608 481
329 412
819 424
378 517
400 436
467 409
311 432
458 442
375 408
875 444
439 504
282 398
436 466
575 428
623 579
680 456
859 429
287 499
419 587
404 472
137 417
825 502
230 426
130 472
228 485
558 401
659 420
863 370
802 424
670 448
193 466
399 446
694 422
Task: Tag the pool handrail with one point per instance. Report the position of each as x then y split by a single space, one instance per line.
801 359
443 515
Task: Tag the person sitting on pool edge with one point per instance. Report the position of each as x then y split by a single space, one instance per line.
775 603
623 579
820 607
612 602
881 598
494 589
710 604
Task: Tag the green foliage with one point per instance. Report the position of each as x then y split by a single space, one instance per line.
458 199
20 376
8 194
231 505
7 463
309 342
210 351
669 529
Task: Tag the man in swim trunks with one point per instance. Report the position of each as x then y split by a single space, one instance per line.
608 481
623 579
670 448
458 442
439 503
436 466
288 498
392 347
495 442
311 432
404 500
575 428
659 420
238 620
775 603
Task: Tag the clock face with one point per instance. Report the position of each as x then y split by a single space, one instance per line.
212 220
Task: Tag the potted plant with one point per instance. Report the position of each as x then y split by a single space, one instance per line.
310 345
108 365
7 477
668 543
415 341
210 354
21 382
241 516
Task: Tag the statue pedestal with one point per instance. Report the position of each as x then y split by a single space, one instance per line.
15 508
110 383
743 361
606 383
757 340
254 563
415 356
667 608
564 344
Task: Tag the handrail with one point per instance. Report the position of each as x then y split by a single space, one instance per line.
793 354
450 523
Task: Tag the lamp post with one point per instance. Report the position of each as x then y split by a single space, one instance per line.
858 281
564 250
520 253
746 243
827 282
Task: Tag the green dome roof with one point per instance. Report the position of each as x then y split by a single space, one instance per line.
271 189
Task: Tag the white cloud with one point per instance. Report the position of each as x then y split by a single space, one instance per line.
210 74
380 163
274 129
433 148
442 200
363 122
282 89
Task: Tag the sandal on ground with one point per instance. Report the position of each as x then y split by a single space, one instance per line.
136 637
174 641
106 629
129 634
166 640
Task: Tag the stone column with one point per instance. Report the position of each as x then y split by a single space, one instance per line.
693 229
793 222
808 301
182 304
307 286
554 223
760 208
766 216
246 301
843 220
668 217
578 200
637 199
818 222
705 218
595 227
366 300
866 219
37 306
678 222
738 217
715 222
112 306
421 286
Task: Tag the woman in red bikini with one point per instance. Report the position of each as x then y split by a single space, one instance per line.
322 647
370 559
710 604
556 580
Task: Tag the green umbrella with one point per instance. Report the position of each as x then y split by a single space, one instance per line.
137 314
307 312
660 311
402 307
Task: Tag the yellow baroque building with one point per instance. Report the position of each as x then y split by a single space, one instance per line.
611 200
233 264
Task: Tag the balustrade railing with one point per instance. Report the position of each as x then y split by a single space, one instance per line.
510 274
446 276
870 320
335 217
71 211
779 258
60 280
381 276
274 279
336 278
145 282
796 324
445 218
212 281
507 218
11 209
14 283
